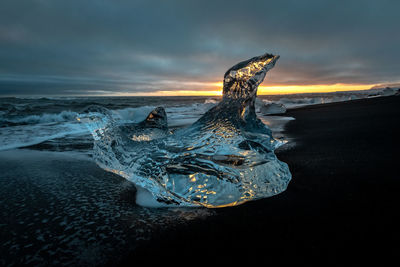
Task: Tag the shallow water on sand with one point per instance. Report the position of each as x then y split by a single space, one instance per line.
61 209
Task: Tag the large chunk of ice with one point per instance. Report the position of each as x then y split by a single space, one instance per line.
225 158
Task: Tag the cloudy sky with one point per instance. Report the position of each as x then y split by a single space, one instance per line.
88 47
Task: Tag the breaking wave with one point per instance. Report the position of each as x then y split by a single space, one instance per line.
18 130
42 118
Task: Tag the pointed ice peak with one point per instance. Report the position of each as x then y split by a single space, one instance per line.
242 80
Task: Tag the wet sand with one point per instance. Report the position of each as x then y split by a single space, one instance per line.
61 209
340 207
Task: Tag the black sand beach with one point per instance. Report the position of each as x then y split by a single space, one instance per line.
61 209
341 206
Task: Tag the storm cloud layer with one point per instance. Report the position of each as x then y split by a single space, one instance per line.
103 47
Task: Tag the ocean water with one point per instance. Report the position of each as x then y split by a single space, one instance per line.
49 123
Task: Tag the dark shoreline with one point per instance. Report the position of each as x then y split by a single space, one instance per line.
340 207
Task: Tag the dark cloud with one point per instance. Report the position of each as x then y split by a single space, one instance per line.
84 47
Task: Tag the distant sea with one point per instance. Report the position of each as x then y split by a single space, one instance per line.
49 123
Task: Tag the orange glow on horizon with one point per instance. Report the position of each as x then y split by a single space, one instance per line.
174 93
262 89
312 88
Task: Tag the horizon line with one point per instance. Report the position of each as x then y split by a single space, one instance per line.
263 90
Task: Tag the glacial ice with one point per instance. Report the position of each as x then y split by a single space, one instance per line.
223 159
272 108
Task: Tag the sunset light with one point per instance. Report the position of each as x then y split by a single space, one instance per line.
215 89
310 88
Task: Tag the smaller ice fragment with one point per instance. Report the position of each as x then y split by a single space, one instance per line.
272 108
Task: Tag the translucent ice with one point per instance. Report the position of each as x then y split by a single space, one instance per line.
272 108
225 158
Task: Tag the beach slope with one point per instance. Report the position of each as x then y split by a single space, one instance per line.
341 205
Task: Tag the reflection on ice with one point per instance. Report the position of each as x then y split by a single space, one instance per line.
225 158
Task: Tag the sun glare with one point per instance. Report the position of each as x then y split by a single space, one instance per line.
314 88
215 89
297 89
